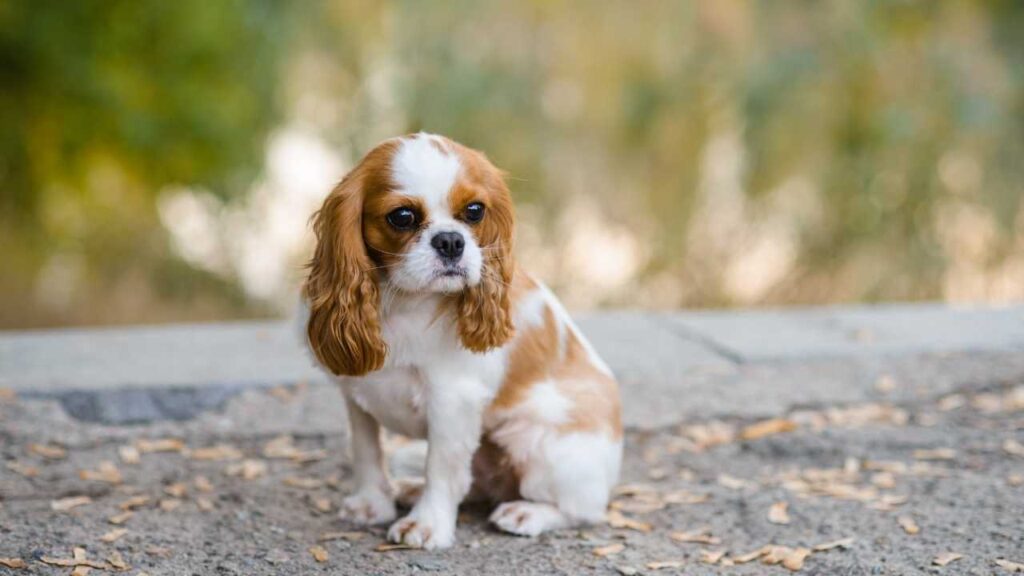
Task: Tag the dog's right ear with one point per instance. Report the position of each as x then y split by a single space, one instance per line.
341 288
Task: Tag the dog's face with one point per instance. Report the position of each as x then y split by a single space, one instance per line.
422 214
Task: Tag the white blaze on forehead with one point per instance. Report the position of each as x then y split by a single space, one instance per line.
421 169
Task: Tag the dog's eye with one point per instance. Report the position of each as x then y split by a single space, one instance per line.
402 218
474 212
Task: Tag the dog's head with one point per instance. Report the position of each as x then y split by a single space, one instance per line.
422 214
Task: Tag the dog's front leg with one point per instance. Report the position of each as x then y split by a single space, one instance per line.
372 501
454 411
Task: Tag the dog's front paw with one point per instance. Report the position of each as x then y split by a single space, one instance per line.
424 528
368 507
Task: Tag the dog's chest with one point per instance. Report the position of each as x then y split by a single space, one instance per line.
396 397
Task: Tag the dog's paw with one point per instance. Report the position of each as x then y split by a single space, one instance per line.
368 507
525 518
424 529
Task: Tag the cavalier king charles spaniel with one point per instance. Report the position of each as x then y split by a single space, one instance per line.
417 308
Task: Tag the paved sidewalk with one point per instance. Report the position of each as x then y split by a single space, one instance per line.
899 427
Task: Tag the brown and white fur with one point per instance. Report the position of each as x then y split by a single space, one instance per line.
455 345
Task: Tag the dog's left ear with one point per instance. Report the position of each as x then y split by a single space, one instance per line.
485 310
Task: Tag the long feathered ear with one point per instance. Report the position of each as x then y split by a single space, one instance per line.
485 311
344 319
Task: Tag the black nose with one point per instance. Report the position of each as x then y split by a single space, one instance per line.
448 244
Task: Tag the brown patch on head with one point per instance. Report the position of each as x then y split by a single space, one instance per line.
341 288
484 311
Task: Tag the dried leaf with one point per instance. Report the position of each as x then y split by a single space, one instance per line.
204 504
216 453
1015 479
203 484
249 469
951 402
795 560
711 556
350 536
617 520
732 482
685 497
1013 447
48 451
908 525
117 561
945 558
842 543
700 536
936 454
65 504
885 384
776 554
666 564
121 518
114 535
634 490
159 551
767 428
609 550
177 490
78 559
81 571
129 454
322 505
23 469
750 556
1010 566
106 472
304 483
884 480
319 553
134 502
170 504
145 446
13 563
280 448
779 513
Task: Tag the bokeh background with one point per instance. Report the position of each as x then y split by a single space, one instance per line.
159 160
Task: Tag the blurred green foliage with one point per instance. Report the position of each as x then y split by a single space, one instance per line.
860 151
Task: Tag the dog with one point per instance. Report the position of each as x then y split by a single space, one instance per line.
417 308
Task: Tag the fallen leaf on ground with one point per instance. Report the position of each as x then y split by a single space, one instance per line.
204 504
15 563
1013 447
117 561
118 519
134 502
48 451
203 484
1015 479
627 570
935 454
65 504
177 490
170 504
159 551
283 448
319 553
711 556
23 469
350 536
945 558
908 525
79 559
322 505
304 483
145 446
750 556
779 513
666 564
216 453
106 472
394 547
951 402
884 480
81 571
248 469
701 536
885 384
795 559
1010 566
617 520
732 482
685 497
842 543
114 535
608 550
129 454
767 428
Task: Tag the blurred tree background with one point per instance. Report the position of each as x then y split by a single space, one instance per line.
159 160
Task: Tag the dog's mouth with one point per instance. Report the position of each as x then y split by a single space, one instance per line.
451 272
